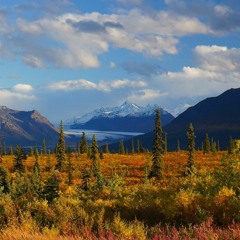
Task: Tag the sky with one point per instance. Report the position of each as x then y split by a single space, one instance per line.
68 57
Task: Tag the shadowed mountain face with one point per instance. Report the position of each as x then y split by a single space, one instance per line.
218 116
26 128
128 117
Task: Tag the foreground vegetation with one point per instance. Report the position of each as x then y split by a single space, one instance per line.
120 202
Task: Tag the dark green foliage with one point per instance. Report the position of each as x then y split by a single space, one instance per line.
191 149
69 170
4 180
178 146
157 152
60 149
51 188
20 156
44 151
31 152
206 145
83 144
10 151
101 154
231 146
36 166
165 142
93 156
133 150
107 148
121 147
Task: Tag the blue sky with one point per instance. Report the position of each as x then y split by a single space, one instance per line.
65 58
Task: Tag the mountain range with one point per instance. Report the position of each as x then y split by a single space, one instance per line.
128 117
26 128
218 116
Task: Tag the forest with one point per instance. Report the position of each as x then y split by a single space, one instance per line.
90 193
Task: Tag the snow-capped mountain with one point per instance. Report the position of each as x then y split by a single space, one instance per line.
127 117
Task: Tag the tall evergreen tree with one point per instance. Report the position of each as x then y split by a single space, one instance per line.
60 149
157 160
191 149
121 147
4 180
44 151
69 170
101 153
10 151
178 146
231 146
93 156
20 156
107 148
165 142
83 144
133 150
207 145
36 166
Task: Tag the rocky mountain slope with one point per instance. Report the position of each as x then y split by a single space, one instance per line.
25 128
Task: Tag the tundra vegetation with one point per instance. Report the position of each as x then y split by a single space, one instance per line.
94 194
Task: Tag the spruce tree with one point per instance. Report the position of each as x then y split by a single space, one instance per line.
178 146
36 166
157 160
51 188
44 151
101 153
83 144
20 156
69 170
121 147
4 180
191 149
60 149
207 145
10 151
107 148
231 146
93 156
133 150
165 142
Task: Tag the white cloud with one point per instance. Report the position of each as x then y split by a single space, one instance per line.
77 40
146 95
24 88
127 83
33 61
71 85
218 58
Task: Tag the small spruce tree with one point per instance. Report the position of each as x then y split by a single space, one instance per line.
157 152
133 150
93 156
83 144
207 145
191 149
20 156
121 147
60 149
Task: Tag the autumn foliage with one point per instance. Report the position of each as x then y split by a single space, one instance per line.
120 201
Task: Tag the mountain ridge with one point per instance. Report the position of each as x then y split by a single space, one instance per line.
128 117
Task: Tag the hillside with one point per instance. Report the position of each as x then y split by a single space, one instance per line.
218 116
26 128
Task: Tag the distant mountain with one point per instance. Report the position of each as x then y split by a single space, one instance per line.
25 128
218 116
128 117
